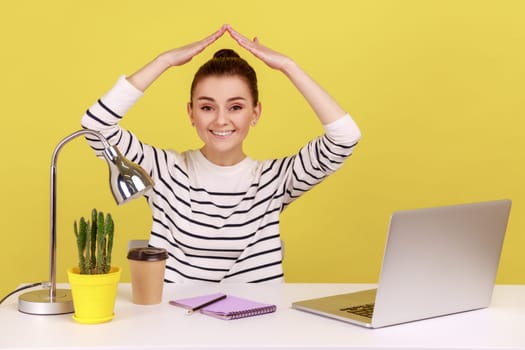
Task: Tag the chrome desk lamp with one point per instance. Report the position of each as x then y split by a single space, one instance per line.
127 181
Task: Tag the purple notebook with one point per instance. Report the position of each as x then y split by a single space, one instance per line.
228 308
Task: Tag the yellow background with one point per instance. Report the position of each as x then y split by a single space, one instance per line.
436 87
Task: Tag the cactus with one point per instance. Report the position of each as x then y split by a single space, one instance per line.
81 234
94 243
109 228
93 240
101 246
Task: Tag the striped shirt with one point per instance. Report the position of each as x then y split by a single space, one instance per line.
219 223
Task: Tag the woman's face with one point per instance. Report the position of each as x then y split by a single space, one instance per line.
222 112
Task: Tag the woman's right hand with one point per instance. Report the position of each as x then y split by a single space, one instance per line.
145 76
184 54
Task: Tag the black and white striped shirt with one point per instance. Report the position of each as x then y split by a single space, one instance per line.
220 223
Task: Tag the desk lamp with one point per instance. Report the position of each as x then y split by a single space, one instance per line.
127 181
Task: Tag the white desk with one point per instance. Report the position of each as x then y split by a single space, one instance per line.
502 326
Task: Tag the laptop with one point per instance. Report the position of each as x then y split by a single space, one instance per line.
437 261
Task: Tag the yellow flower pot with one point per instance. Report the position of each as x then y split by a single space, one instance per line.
94 295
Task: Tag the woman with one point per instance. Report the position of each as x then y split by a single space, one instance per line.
215 209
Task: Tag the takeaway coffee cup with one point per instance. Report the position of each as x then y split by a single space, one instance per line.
147 266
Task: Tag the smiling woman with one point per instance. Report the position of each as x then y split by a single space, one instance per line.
216 210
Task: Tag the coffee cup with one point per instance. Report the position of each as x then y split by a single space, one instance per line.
147 266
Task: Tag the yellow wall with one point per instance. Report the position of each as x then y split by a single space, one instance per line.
436 86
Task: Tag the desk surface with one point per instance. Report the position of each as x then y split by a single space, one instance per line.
501 326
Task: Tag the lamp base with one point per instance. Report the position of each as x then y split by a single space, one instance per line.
38 302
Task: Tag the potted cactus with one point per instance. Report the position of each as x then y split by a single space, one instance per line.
94 281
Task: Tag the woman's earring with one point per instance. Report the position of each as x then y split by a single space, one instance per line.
254 122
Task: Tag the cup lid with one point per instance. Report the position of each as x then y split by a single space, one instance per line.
147 254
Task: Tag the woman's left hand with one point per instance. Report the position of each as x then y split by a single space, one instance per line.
272 58
326 108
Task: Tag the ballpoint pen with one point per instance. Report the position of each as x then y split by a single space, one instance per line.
209 302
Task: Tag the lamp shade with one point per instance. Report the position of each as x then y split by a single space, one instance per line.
127 179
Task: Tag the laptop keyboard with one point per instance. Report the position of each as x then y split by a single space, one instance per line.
365 310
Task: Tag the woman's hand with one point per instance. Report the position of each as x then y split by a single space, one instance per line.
184 54
145 76
324 105
272 58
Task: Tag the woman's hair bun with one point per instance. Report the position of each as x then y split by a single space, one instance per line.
226 53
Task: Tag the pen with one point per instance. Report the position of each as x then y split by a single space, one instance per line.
192 310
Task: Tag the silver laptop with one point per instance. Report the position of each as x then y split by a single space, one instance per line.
437 261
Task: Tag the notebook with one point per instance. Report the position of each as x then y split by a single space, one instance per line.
437 261
229 308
